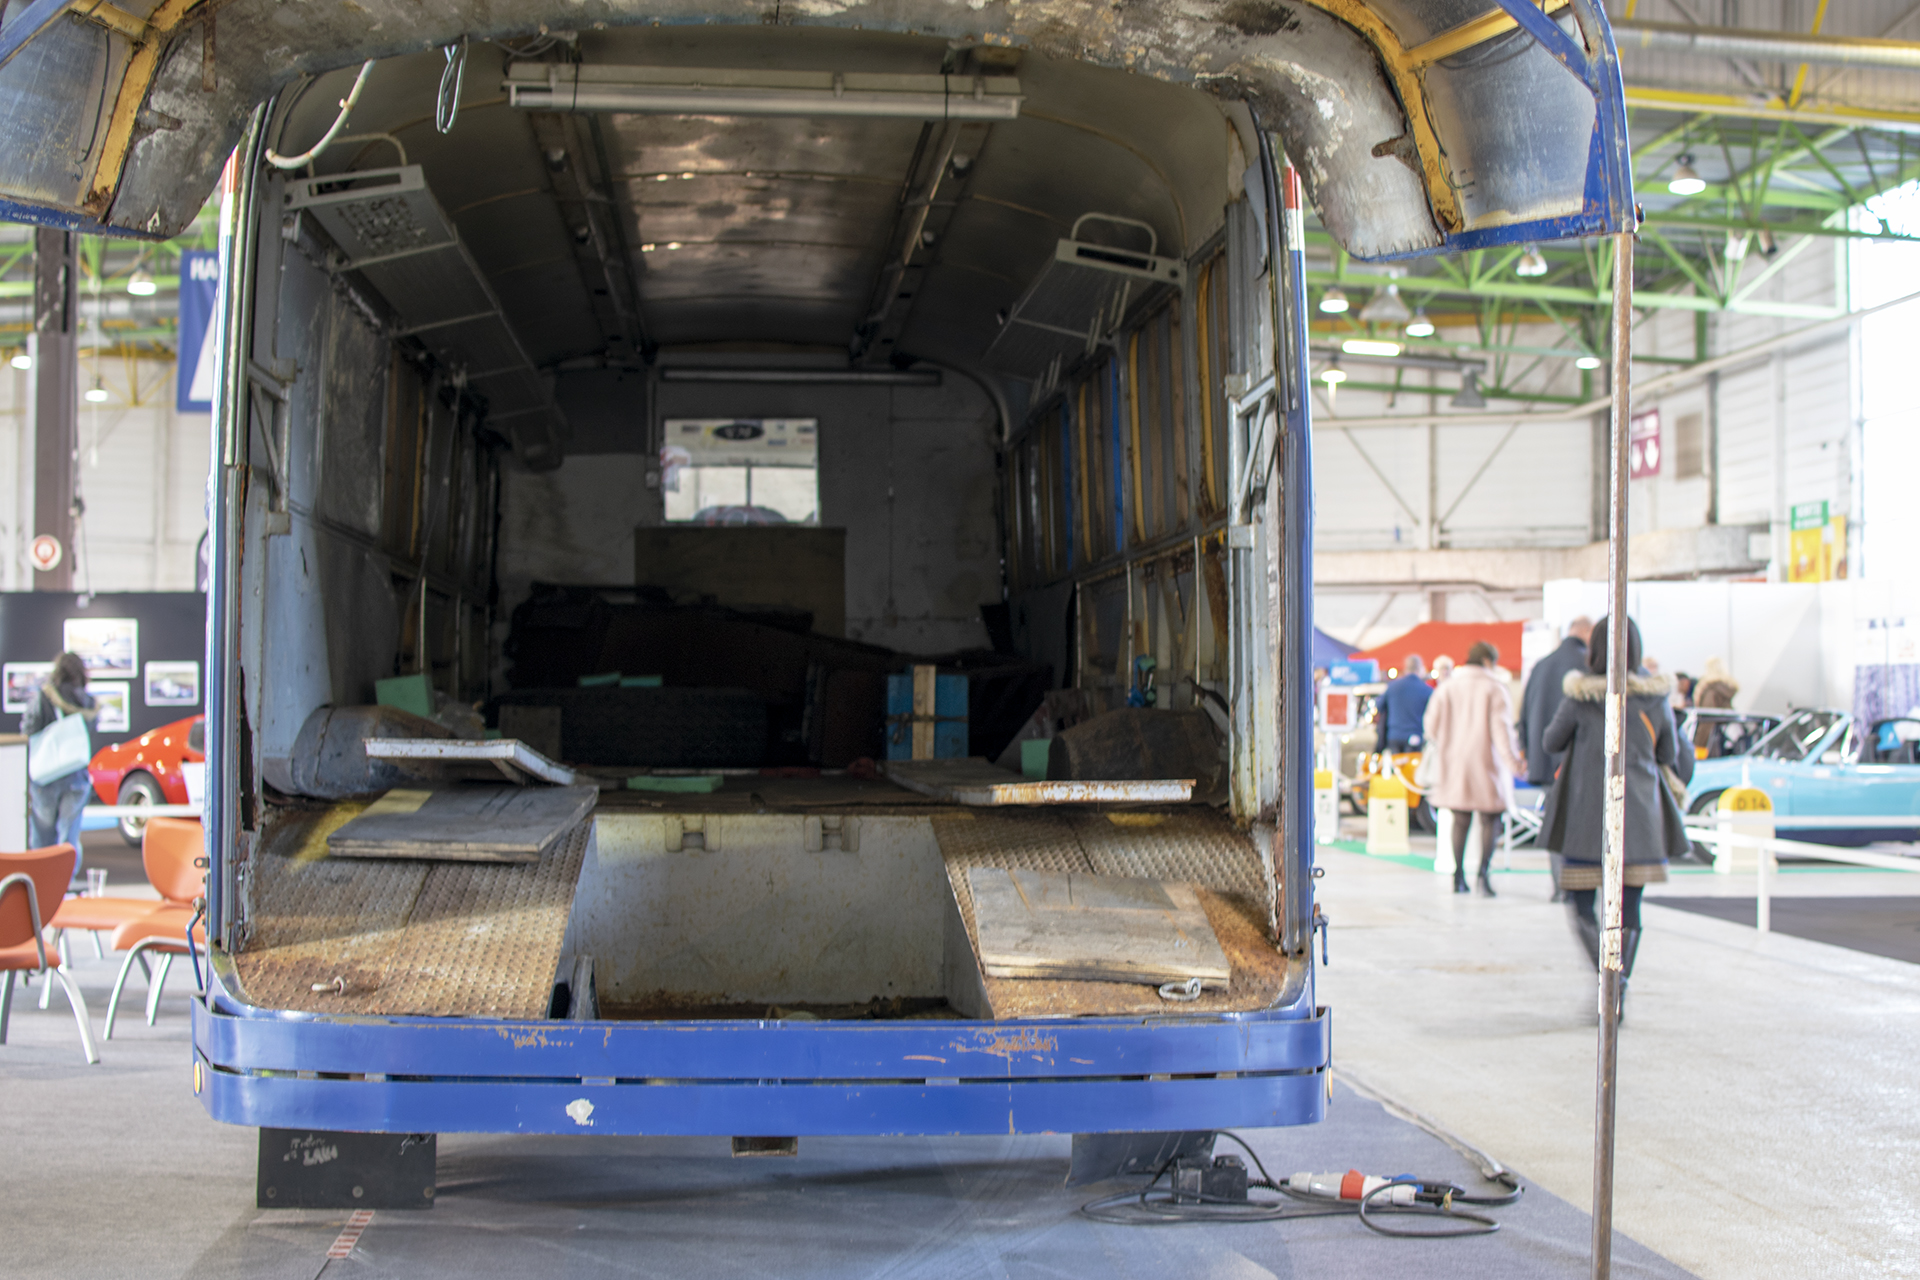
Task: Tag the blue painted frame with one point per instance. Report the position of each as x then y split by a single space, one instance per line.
263 1067
1607 204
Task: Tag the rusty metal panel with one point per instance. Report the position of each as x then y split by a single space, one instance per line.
1198 846
1027 841
405 937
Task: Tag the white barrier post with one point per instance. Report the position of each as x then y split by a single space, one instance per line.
1764 906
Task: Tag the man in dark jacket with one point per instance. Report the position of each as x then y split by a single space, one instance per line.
1403 708
1544 695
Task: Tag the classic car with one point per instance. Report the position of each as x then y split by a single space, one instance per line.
146 770
1828 777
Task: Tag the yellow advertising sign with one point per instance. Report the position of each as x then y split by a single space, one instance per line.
1816 544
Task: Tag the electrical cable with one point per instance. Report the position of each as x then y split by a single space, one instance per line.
446 105
279 161
1406 1196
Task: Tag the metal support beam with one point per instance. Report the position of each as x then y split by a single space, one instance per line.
1613 858
55 350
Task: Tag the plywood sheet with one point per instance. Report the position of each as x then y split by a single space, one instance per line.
464 824
1050 924
974 781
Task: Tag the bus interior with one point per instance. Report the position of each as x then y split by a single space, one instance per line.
652 396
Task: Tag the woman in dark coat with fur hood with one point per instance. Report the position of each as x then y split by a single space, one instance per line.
1655 831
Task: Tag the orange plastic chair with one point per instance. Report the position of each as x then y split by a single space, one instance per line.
169 849
26 880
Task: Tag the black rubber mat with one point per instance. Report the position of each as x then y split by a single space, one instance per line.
1881 926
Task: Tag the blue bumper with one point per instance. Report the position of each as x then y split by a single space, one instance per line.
445 1075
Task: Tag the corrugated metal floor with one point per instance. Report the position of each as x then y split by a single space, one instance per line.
1195 845
404 936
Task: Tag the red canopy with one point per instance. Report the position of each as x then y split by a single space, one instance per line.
1431 639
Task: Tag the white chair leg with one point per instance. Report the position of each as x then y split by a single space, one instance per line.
6 1004
46 988
158 985
99 952
79 1004
119 983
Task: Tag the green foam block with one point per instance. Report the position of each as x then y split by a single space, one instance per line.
697 783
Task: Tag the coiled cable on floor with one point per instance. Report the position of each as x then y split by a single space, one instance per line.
1405 1196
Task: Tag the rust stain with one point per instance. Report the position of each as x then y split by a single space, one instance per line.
535 1037
1005 1044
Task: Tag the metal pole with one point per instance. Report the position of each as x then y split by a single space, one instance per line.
1613 861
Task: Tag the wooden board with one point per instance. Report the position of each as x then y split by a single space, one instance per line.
464 824
1070 925
974 781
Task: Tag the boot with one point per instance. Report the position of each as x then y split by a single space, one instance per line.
1589 935
1460 878
1629 947
1485 879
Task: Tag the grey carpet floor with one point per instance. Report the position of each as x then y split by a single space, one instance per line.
1881 926
121 1175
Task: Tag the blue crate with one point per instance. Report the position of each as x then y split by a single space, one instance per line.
950 717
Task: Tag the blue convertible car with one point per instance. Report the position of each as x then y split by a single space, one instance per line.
1826 775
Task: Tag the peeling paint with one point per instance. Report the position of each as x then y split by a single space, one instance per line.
581 1112
1006 1044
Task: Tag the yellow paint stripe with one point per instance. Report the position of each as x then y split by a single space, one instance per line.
134 83
1468 34
1413 100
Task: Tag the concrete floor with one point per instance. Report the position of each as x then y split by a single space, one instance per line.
1769 1101
1768 1127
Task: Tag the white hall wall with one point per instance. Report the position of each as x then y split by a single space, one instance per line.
142 475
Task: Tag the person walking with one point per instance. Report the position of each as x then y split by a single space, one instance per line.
56 808
1403 708
1470 735
1575 825
1543 696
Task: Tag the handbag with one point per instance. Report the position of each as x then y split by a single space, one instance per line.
1553 813
1427 772
59 750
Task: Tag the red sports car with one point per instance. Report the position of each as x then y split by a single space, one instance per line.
146 769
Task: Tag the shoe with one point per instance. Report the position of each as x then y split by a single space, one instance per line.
1460 881
1486 874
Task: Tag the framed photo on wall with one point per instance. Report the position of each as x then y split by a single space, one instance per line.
23 684
173 684
109 646
114 701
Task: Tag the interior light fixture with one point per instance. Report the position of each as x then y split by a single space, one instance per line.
1737 242
1469 397
1686 180
1531 264
694 91
1333 375
1420 326
1386 307
141 285
1587 362
1370 347
22 360
1333 301
96 394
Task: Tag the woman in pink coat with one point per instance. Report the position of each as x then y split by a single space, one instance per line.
1469 728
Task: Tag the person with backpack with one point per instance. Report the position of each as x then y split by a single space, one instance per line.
57 804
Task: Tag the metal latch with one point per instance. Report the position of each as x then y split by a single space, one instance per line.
831 831
1320 927
690 831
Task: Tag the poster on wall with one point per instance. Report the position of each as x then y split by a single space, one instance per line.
114 701
107 645
173 684
1816 543
23 684
1643 445
199 300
